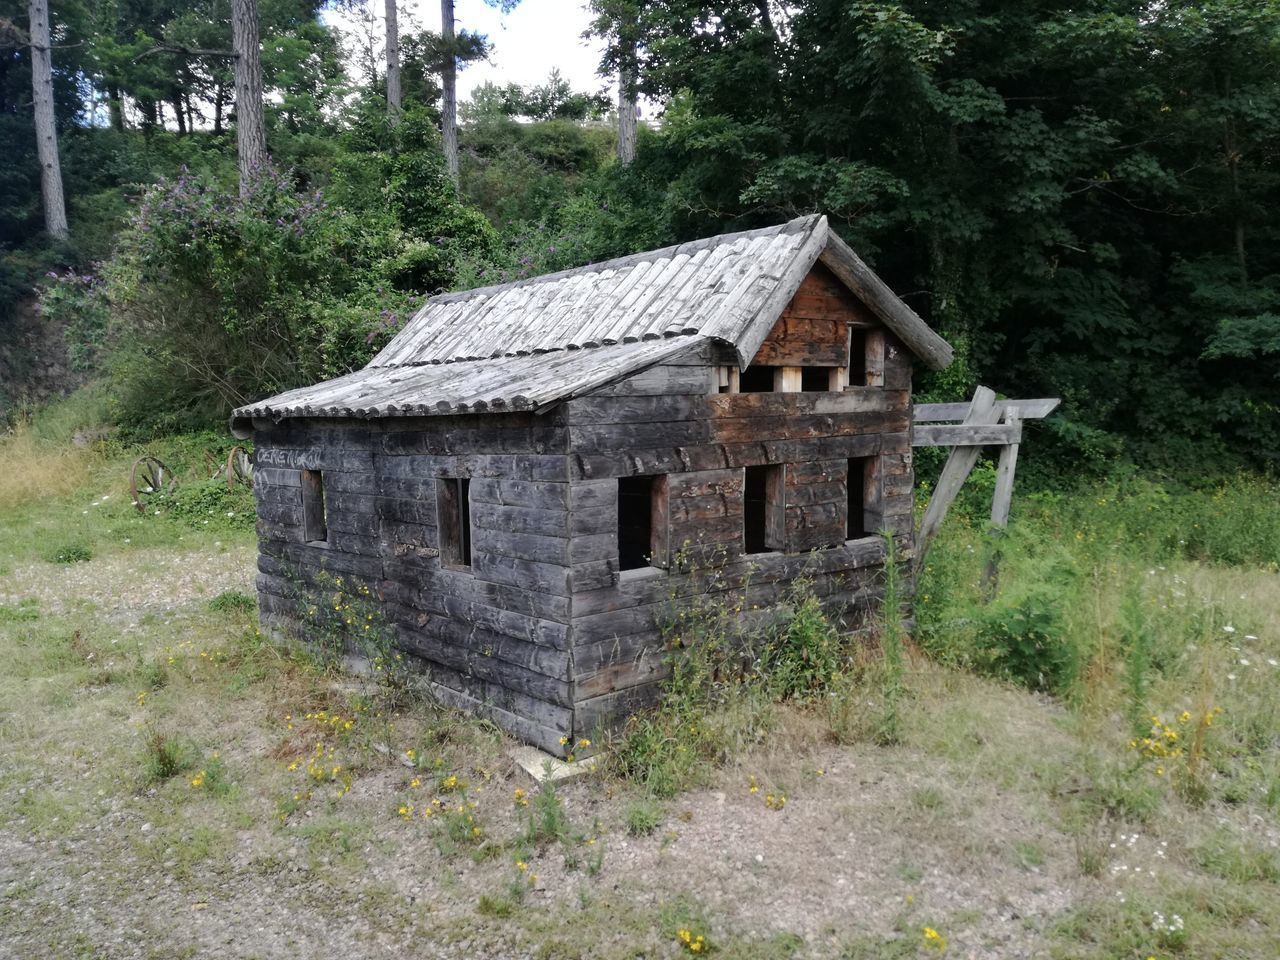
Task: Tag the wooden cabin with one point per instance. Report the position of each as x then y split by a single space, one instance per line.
525 475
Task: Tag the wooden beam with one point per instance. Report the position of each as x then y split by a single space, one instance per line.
1003 495
1000 501
1025 410
966 434
957 469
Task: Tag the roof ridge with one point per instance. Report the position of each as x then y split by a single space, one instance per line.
795 225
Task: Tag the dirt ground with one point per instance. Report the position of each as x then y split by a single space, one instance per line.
958 829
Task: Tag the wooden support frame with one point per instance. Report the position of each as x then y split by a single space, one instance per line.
986 422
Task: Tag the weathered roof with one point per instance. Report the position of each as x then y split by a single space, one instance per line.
525 344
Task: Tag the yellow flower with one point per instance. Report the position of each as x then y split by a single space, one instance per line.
583 744
563 741
521 866
142 698
933 940
198 780
415 783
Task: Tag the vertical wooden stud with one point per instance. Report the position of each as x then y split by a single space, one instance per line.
788 380
874 357
660 523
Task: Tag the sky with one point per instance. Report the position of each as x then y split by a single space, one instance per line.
527 43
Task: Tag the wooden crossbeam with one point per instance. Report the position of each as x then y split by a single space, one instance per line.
1026 410
967 434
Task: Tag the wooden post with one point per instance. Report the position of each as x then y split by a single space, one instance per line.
958 467
788 379
1000 501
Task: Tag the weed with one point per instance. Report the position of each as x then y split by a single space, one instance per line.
25 611
70 553
164 757
642 817
233 601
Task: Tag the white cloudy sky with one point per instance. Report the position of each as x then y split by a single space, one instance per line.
527 43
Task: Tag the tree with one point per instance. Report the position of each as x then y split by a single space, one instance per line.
393 64
55 209
449 99
449 79
251 135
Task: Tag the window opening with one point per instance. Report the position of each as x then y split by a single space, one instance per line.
857 358
817 379
757 379
315 527
635 522
861 484
762 508
453 508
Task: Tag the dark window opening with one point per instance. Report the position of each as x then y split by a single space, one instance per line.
857 358
756 380
635 522
761 508
453 508
315 527
861 483
816 379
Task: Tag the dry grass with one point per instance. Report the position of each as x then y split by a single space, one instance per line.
36 469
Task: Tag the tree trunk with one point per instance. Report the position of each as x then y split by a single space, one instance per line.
449 81
115 107
393 65
219 100
251 136
179 114
627 113
55 208
147 107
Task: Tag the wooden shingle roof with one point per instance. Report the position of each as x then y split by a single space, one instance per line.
523 345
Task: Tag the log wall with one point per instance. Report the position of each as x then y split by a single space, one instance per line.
495 636
672 423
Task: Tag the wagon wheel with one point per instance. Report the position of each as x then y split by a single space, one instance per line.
239 468
150 479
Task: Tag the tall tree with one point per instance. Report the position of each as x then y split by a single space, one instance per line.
627 108
251 136
449 83
470 46
55 208
393 64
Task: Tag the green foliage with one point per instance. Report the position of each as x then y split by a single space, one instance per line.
801 658
233 601
70 553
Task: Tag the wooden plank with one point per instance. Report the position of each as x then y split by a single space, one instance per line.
957 468
1036 409
966 434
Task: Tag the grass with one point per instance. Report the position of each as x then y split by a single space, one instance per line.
1009 784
